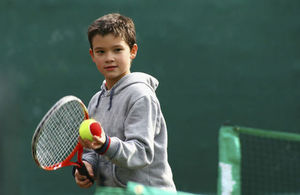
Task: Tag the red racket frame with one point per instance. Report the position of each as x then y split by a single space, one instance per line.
78 148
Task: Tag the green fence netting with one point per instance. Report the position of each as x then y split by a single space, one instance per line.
136 189
256 161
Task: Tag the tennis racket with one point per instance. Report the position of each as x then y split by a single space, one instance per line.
55 140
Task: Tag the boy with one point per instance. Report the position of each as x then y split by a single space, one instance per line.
134 147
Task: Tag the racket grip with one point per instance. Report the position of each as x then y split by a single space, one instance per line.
83 171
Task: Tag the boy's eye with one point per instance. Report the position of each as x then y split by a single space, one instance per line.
118 49
100 51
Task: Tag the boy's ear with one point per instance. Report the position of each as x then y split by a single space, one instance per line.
91 54
133 51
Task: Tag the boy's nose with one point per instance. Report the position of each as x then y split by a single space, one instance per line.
109 58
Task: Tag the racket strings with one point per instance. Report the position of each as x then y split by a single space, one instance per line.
59 134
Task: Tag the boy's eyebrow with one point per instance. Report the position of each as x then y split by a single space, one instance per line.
98 48
114 46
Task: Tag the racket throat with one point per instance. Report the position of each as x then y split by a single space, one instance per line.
79 154
79 150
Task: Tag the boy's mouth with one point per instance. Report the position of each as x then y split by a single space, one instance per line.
110 67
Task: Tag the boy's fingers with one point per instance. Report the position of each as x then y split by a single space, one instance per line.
85 143
97 143
81 141
85 183
82 180
78 176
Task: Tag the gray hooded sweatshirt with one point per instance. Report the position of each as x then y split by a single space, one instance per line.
131 117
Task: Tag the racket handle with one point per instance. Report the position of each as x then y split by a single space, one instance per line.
83 171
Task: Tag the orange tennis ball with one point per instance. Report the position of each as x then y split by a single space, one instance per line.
88 128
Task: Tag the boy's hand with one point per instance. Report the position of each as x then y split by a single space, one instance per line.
95 144
82 180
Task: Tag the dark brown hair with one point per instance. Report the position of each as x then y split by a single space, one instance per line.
116 24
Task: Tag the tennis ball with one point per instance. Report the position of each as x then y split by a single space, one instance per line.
88 128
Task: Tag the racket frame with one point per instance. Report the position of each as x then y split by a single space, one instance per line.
77 149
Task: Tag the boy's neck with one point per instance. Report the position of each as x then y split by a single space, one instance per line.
108 85
111 82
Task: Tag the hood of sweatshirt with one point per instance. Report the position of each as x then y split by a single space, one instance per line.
127 80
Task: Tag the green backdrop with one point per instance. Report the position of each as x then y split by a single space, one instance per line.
216 60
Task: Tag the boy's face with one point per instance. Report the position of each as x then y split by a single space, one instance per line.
112 57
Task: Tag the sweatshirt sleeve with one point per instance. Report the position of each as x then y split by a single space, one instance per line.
91 157
137 150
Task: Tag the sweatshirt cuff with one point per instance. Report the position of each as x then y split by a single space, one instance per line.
113 148
105 146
